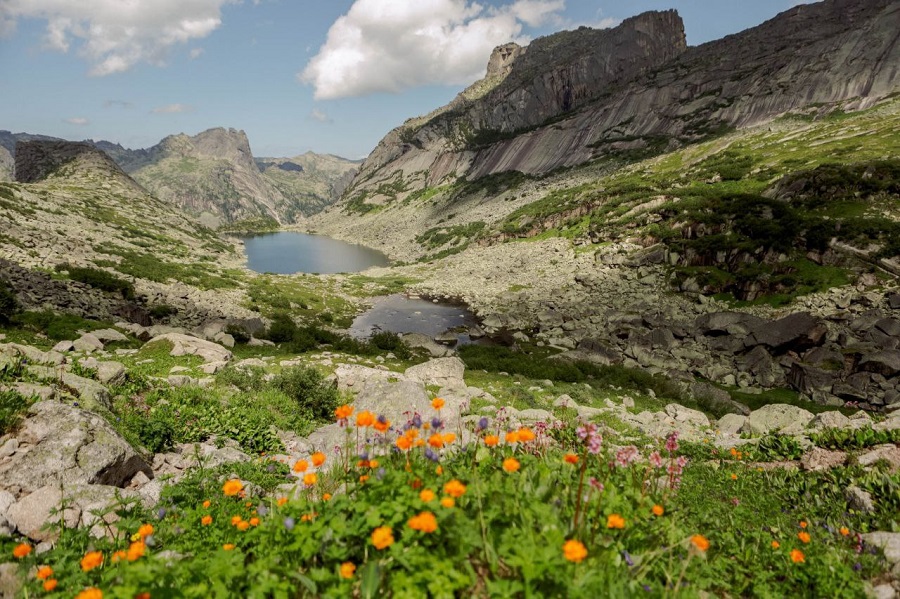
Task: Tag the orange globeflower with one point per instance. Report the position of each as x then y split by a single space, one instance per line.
448 502
50 584
343 412
449 438
281 501
658 510
424 522
455 489
348 569
525 435
574 550
136 550
207 503
206 520
310 479
21 550
142 596
301 466
436 441
242 525
803 524
570 458
491 440
232 487
91 560
44 572
844 531
235 520
512 437
511 465
326 496
228 546
119 556
700 542
382 537
317 458
437 403
404 443
615 521
797 556
426 495
145 530
734 477
254 521
803 536
365 418
775 544
91 593
382 425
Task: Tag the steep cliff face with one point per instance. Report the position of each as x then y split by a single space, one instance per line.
578 96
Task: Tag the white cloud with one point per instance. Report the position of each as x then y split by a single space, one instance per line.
172 109
117 104
115 35
381 46
196 53
78 120
320 116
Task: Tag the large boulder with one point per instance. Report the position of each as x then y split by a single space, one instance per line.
443 372
186 345
782 418
717 324
62 444
717 400
796 332
885 362
763 366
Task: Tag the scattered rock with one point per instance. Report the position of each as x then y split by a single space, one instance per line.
889 453
185 345
782 418
88 343
733 424
111 373
69 446
859 500
829 420
443 372
822 459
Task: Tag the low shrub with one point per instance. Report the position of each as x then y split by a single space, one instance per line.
98 279
12 405
860 438
307 387
56 326
9 305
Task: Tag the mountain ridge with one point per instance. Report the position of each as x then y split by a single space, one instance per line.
214 175
799 58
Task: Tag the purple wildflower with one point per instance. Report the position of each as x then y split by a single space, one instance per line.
289 523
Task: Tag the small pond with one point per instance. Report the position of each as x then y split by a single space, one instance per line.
287 252
401 314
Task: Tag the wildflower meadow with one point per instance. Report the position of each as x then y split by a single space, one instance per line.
410 509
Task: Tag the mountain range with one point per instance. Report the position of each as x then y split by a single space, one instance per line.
213 175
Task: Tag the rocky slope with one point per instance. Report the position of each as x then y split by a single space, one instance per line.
594 94
79 208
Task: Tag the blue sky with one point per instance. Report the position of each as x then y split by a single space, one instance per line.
324 75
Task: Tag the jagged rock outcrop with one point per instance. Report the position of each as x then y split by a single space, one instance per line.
577 96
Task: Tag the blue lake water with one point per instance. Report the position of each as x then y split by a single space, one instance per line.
286 253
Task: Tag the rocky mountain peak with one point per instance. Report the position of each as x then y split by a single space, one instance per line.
502 58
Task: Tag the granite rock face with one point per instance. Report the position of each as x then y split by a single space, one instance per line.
576 96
